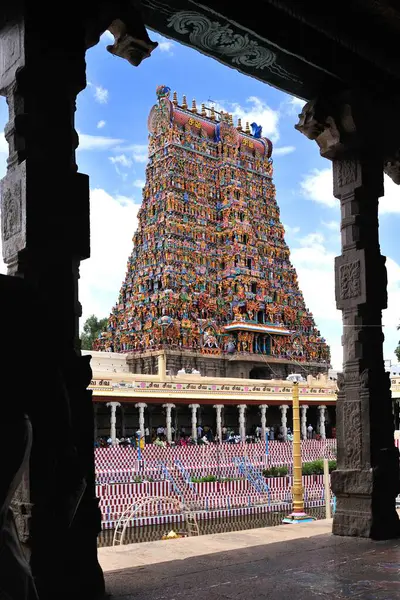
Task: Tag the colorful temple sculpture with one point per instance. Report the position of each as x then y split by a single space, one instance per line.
209 280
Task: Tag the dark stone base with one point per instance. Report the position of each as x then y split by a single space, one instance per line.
245 366
364 507
381 526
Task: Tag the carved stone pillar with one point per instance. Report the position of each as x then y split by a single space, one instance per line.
304 408
367 478
141 406
168 419
284 409
322 421
113 420
45 234
242 421
194 408
218 408
263 409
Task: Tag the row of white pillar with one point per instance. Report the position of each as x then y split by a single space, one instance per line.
218 407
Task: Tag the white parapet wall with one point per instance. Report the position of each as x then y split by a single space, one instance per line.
107 362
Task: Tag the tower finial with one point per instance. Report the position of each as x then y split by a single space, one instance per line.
212 116
175 98
230 119
203 110
239 125
184 102
194 107
247 127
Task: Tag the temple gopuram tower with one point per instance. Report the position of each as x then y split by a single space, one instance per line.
209 280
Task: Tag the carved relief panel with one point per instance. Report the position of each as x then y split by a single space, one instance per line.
13 212
350 279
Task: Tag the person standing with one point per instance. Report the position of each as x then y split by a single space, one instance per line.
310 429
147 435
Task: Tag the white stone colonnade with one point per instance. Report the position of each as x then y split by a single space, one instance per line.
141 406
263 409
284 409
304 408
113 420
322 431
168 410
242 421
194 408
218 408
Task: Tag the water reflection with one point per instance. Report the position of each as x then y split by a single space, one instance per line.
151 533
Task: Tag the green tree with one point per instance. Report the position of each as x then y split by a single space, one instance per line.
91 331
397 351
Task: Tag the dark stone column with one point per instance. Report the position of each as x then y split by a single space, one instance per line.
95 428
367 478
45 233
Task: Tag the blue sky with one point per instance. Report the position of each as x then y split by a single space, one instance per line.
111 120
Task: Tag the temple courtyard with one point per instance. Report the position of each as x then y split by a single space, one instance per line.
299 562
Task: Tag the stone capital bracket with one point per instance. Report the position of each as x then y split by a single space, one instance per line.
344 126
392 167
123 19
331 123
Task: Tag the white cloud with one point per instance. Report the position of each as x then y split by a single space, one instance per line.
100 94
100 124
107 37
390 203
139 183
165 46
315 269
332 225
254 110
139 152
97 142
3 144
121 159
291 230
283 150
318 186
391 316
295 105
113 221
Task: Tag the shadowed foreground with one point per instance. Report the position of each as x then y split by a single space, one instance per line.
321 566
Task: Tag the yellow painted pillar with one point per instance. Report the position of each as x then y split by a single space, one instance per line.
297 489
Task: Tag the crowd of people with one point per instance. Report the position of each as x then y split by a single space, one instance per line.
204 435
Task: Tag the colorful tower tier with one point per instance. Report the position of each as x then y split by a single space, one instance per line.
210 272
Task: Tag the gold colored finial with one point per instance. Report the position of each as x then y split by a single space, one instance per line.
184 102
203 110
239 125
247 127
194 107
212 116
230 119
175 98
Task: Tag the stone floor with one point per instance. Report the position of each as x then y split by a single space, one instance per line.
299 562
